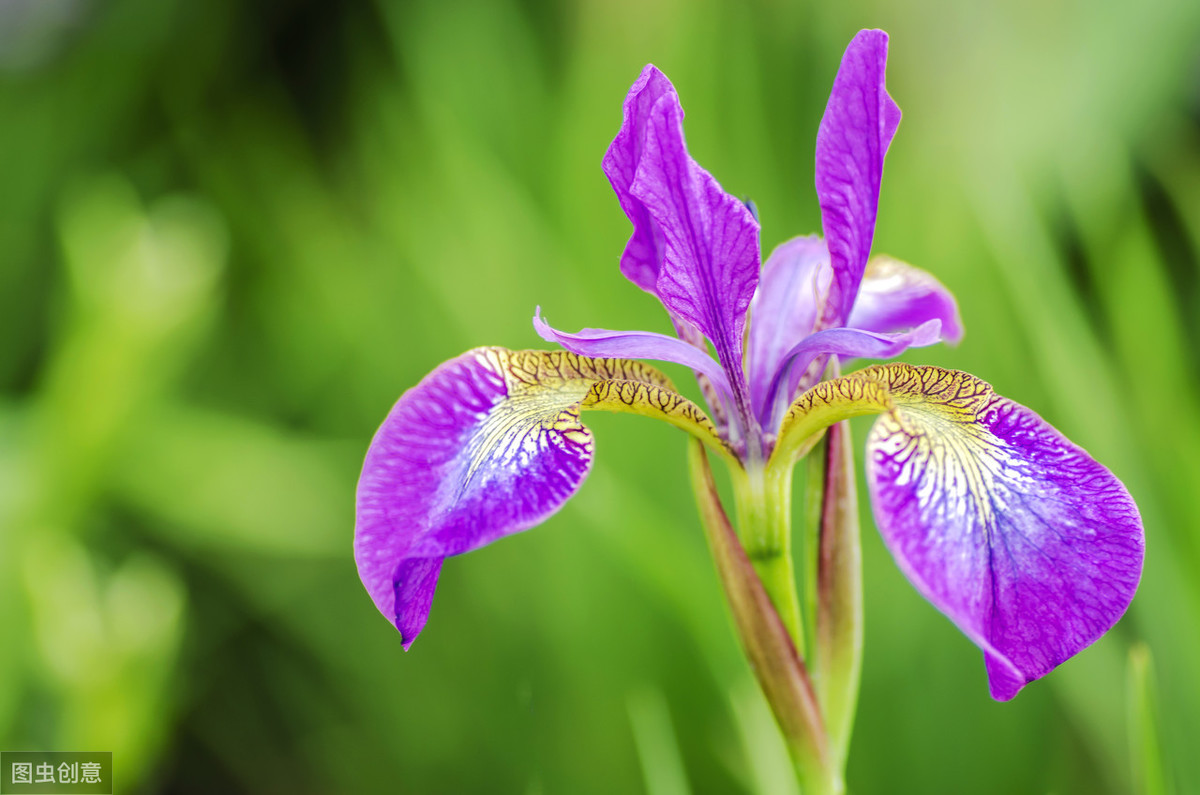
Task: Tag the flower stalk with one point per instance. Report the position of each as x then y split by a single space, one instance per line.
763 505
767 642
810 529
839 608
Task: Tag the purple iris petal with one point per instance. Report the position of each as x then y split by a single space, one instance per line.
635 345
846 342
895 296
711 256
643 255
461 460
859 122
1027 544
784 309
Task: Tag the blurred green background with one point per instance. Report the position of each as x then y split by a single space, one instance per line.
231 234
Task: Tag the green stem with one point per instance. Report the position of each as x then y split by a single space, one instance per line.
768 643
763 503
810 537
839 615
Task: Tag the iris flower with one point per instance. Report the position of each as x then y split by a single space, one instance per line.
1027 544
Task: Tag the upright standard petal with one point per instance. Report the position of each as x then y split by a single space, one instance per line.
711 256
1024 541
643 256
791 291
488 444
895 296
859 122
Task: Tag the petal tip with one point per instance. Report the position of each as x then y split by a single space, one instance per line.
1004 680
953 332
870 37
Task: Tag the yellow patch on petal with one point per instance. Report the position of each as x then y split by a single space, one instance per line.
936 428
547 389
918 401
825 404
659 402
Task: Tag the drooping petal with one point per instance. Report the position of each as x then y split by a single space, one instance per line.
795 279
859 122
710 256
643 254
457 464
845 342
1033 549
895 296
1024 541
635 345
488 444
